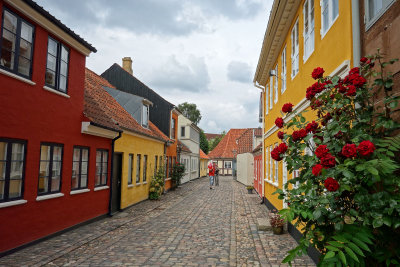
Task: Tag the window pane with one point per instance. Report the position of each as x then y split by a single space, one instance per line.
26 32
97 179
15 188
63 83
17 151
10 22
3 151
74 181
77 153
52 49
44 169
2 170
83 181
84 167
51 62
55 184
16 169
45 153
98 156
63 68
8 41
7 59
24 66
335 8
43 185
85 154
325 19
64 54
2 189
75 168
50 78
57 153
104 179
25 49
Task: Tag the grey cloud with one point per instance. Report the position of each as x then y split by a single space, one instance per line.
190 76
239 72
159 17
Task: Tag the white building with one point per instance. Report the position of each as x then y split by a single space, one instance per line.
189 135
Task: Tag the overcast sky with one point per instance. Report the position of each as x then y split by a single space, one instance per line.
199 51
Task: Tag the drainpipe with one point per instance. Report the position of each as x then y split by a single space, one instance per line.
263 143
112 171
355 25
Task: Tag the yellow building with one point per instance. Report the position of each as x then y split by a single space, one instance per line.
139 150
300 36
203 163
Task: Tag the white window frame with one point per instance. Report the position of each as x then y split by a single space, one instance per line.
284 180
230 163
308 35
283 73
276 164
276 84
271 166
331 18
295 47
266 163
371 21
266 100
271 92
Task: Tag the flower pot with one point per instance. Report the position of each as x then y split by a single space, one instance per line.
277 230
250 191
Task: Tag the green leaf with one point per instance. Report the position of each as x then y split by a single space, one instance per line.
355 249
328 255
342 258
340 238
351 254
378 222
387 221
372 170
332 248
361 244
336 244
317 214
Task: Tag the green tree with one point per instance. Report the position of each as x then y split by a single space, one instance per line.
216 141
204 142
190 111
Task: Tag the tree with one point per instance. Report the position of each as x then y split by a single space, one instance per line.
204 142
216 141
190 111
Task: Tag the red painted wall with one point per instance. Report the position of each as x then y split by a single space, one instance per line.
171 150
257 174
31 113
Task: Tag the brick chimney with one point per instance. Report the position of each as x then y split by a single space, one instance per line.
127 64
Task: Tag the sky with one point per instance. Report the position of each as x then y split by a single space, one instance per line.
197 51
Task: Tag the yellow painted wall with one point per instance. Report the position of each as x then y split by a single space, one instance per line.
203 167
330 51
129 144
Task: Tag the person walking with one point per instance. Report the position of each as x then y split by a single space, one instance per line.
211 173
216 176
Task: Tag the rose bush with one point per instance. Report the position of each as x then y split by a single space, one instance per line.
347 198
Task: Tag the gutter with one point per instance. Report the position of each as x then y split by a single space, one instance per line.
263 139
355 26
112 171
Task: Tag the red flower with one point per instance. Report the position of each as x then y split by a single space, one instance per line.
328 161
349 150
331 184
312 127
275 154
314 89
326 118
316 104
359 81
363 60
298 135
366 148
355 70
316 170
339 135
317 73
288 107
351 90
280 134
282 148
321 151
279 122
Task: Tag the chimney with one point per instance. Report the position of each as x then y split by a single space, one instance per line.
127 64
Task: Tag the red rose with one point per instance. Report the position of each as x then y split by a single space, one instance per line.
359 81
363 60
279 122
366 148
312 127
298 135
314 89
288 107
316 104
351 90
282 148
275 154
321 151
355 70
331 184
341 89
280 134
316 170
328 161
349 150
317 73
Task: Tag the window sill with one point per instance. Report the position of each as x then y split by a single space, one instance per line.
13 203
101 188
55 91
144 182
272 183
138 183
15 76
45 197
130 185
79 191
169 179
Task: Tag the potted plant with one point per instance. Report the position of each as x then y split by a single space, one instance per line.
276 222
250 189
177 172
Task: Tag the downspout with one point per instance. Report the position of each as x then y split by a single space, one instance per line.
355 25
263 143
112 171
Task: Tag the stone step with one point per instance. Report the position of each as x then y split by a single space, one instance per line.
263 224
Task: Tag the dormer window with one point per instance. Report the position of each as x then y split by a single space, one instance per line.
173 128
16 45
145 116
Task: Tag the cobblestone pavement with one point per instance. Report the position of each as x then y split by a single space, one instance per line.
191 226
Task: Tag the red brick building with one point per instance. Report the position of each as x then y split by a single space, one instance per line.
54 173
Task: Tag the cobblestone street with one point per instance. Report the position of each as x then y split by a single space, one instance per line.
191 226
